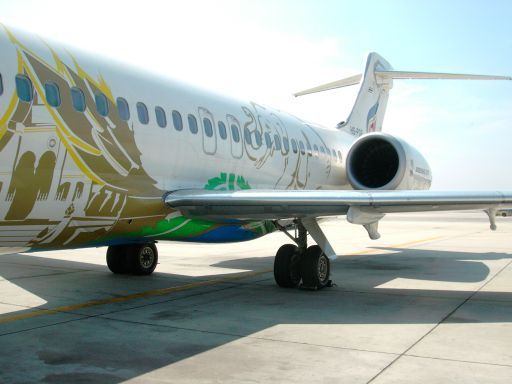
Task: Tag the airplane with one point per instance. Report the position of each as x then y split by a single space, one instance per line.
94 153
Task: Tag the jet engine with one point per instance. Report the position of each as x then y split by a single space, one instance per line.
381 161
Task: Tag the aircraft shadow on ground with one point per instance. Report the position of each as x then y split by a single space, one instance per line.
102 349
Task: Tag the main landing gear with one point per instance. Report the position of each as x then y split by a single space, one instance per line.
139 259
294 263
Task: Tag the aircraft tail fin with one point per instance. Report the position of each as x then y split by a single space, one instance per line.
370 106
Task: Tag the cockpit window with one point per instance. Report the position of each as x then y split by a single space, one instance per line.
52 94
24 88
78 99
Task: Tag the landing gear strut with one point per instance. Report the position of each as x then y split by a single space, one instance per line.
139 259
294 263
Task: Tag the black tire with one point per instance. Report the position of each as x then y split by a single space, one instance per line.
117 259
287 266
315 268
143 258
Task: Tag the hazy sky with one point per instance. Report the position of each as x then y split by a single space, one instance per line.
267 49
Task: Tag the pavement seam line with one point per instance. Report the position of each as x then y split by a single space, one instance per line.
240 336
404 353
460 361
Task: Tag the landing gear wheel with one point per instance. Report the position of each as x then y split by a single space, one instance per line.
287 266
315 268
143 258
117 260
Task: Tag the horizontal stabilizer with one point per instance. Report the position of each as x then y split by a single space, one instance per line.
354 80
346 82
436 76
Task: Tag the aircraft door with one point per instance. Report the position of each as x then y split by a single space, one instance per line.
209 132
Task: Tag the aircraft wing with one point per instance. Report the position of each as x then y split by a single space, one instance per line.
281 204
365 208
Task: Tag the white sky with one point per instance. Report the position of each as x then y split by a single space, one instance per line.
266 50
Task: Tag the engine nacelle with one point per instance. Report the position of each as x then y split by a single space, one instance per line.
381 161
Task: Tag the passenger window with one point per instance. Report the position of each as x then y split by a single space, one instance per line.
101 104
142 113
161 119
277 142
123 109
268 140
1 85
286 145
308 146
52 94
315 148
247 136
322 150
334 155
235 133
222 130
177 120
208 128
78 99
192 124
257 136
24 88
302 149
294 146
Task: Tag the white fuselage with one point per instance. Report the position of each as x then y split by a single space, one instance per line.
273 150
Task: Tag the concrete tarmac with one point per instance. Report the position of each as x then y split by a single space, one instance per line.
430 302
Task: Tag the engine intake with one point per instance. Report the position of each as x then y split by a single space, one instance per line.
381 161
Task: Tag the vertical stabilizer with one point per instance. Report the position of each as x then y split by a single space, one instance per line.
370 106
